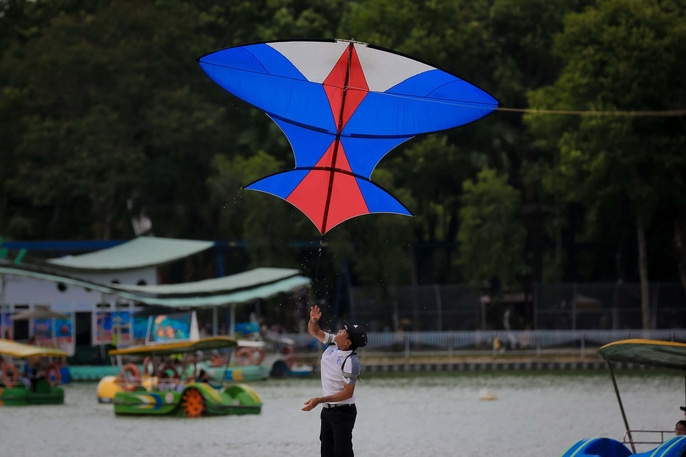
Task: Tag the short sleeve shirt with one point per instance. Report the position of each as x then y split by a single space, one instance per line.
334 378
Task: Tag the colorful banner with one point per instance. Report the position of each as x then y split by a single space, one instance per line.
6 326
102 327
170 327
64 330
121 328
246 329
140 328
112 327
42 330
57 333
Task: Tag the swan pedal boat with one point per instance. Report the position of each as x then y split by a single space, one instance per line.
652 353
13 391
167 387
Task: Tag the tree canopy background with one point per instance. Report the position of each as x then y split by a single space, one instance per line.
105 116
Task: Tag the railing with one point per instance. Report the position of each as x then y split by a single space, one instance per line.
528 340
662 433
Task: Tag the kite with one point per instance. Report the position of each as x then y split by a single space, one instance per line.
343 105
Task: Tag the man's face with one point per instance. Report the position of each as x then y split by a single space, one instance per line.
342 340
680 429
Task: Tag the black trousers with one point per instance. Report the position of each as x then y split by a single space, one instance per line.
336 432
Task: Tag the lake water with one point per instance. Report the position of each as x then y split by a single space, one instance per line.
537 414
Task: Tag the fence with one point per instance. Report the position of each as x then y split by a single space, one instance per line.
550 306
607 306
439 343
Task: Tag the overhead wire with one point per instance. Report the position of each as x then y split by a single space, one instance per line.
664 113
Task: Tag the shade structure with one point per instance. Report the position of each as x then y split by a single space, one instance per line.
655 353
141 252
260 283
14 349
39 312
178 347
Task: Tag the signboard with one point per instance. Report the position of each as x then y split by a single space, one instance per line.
140 328
170 327
102 327
57 333
113 327
6 326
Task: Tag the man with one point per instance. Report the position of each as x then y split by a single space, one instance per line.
680 428
340 369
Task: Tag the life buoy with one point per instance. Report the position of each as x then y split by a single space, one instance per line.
244 356
218 361
289 356
249 356
10 375
130 377
168 366
54 376
260 356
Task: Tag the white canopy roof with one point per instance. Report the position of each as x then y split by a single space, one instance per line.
260 283
245 280
140 252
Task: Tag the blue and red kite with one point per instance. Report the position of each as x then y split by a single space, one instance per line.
343 106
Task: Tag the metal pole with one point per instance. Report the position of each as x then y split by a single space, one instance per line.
621 408
535 306
215 319
232 325
438 307
574 307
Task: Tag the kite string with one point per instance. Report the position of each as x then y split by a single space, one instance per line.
319 257
665 113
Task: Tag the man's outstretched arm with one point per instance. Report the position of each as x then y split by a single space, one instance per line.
313 324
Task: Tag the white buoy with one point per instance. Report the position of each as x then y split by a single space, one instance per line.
487 394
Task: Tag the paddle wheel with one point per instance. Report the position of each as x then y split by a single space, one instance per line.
192 403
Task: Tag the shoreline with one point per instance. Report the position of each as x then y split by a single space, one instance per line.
457 361
379 362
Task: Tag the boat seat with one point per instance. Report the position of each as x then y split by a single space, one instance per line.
42 387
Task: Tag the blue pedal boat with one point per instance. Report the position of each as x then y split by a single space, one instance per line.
652 353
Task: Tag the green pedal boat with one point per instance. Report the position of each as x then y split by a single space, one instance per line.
170 383
38 386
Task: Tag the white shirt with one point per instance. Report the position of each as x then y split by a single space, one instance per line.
334 378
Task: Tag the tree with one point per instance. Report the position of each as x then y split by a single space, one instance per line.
620 55
491 234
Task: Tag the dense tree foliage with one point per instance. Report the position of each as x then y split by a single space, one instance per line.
104 116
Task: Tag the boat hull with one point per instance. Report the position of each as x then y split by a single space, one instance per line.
236 399
608 447
21 396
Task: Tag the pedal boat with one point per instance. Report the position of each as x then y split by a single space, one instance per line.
652 353
15 391
168 386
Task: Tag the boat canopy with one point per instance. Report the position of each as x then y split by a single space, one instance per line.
14 349
178 347
662 354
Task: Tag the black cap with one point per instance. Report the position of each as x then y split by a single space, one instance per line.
683 408
357 335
